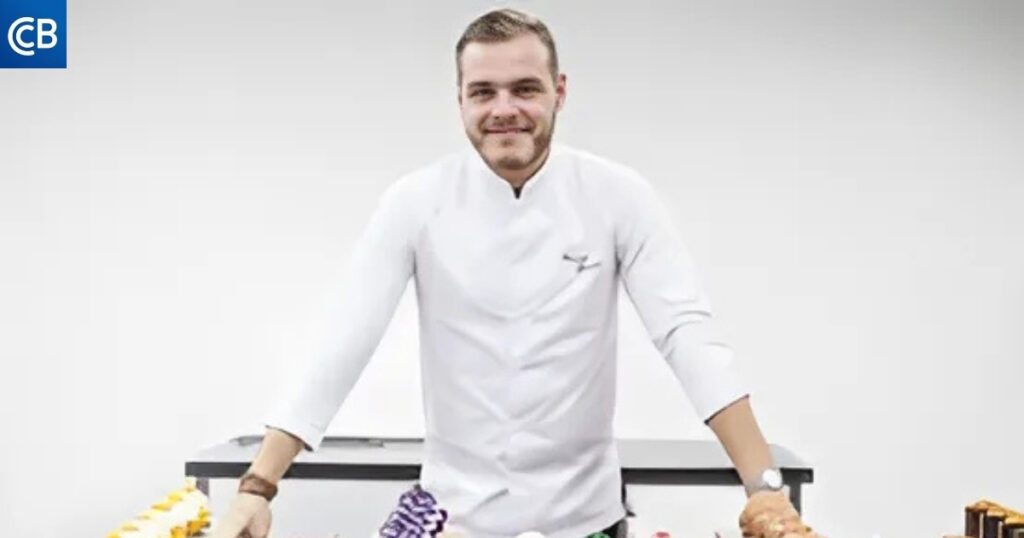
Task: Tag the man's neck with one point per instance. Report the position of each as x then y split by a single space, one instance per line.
518 178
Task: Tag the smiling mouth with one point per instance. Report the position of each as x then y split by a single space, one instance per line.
506 131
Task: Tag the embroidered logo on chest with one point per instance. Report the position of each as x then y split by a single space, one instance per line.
581 261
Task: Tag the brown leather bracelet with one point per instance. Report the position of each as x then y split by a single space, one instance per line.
257 485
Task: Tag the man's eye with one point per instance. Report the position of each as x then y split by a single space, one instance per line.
475 93
527 89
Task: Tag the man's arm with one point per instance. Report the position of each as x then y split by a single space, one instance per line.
382 263
662 283
741 437
766 513
276 454
249 513
348 332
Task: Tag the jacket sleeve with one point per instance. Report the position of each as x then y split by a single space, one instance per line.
660 278
357 315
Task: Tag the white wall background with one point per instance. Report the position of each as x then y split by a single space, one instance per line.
847 174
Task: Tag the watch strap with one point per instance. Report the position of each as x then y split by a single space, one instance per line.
257 485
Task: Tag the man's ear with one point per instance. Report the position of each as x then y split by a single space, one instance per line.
560 91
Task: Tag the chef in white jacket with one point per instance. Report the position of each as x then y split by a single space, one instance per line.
515 247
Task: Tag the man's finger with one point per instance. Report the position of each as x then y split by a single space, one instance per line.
231 527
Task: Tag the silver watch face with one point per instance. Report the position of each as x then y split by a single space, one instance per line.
772 479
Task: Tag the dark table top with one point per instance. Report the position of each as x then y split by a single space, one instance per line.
644 461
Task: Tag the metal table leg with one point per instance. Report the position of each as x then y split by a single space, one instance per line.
794 495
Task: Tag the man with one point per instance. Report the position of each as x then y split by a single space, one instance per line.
516 247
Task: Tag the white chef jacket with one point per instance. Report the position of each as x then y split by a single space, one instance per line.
518 319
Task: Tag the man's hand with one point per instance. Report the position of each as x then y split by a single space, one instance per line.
248 517
769 514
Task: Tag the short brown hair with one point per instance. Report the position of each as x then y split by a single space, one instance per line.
503 25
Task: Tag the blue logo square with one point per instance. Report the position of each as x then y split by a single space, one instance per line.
34 33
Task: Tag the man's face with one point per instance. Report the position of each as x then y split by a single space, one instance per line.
509 101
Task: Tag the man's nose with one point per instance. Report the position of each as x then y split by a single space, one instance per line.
504 105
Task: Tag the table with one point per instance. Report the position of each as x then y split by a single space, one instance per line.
644 462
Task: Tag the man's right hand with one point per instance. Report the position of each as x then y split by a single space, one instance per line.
249 514
248 517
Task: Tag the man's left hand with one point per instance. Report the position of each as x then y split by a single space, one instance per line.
769 514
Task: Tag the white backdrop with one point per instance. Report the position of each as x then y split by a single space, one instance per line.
847 175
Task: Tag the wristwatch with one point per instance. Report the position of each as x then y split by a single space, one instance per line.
771 480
